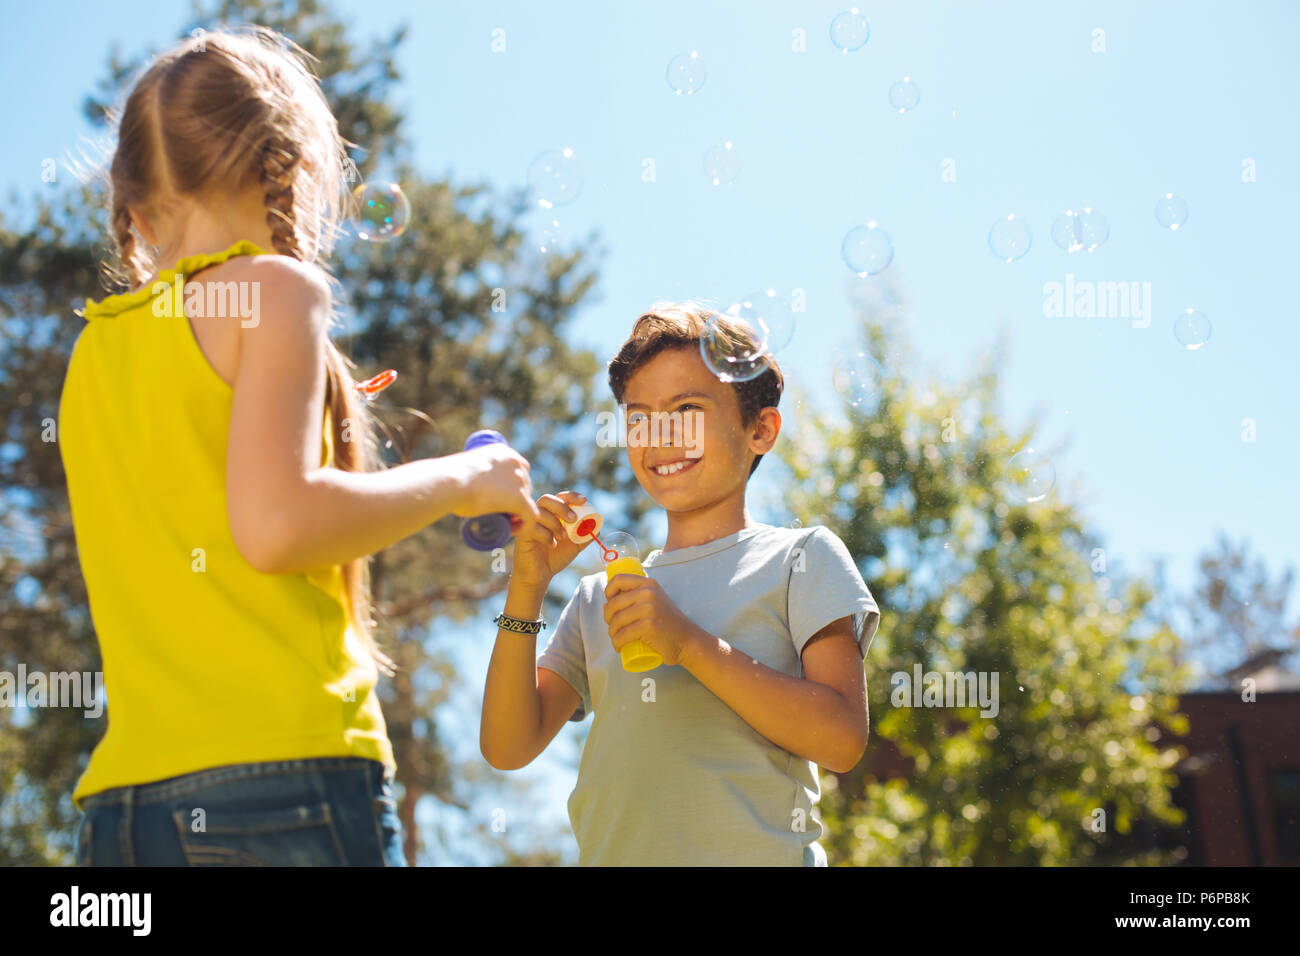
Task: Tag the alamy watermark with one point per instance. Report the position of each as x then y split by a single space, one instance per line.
129 910
646 429
242 300
945 689
1086 299
78 689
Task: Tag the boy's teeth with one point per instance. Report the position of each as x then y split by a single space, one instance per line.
673 468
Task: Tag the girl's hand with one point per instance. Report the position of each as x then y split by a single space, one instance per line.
493 479
544 549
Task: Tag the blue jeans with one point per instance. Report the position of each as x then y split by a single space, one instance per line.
332 811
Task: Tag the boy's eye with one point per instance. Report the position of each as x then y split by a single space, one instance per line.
689 405
635 417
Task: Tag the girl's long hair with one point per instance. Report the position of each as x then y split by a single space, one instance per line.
225 112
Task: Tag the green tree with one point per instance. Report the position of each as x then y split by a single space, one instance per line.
472 316
1236 611
44 618
973 575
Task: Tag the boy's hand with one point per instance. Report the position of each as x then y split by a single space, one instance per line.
637 609
543 550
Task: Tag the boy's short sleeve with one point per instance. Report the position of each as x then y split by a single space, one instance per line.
825 585
565 655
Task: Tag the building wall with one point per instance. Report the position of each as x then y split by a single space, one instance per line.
1237 754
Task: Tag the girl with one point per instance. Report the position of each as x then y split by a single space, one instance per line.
220 470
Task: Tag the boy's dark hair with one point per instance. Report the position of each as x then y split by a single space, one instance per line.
672 325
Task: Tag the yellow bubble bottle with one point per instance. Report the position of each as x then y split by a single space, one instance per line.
637 655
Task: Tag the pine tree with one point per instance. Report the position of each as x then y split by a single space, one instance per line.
474 318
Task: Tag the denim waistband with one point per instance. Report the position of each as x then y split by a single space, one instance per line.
161 790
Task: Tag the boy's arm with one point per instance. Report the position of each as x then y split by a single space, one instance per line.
524 706
822 718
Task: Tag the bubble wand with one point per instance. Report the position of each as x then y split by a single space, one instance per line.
491 531
373 386
622 557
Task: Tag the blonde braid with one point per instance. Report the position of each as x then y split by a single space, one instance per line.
279 158
131 272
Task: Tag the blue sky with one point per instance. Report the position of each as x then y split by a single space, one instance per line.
1035 122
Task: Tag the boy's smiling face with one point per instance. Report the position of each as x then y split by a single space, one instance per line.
686 442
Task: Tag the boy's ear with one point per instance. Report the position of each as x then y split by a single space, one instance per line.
767 425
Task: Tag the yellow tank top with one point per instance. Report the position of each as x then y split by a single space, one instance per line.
207 661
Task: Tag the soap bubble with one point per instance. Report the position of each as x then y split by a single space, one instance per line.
548 237
867 250
1171 211
1030 475
1192 329
1009 238
850 30
860 379
766 310
611 546
1076 231
904 95
1066 231
554 178
731 357
621 542
686 73
1094 230
722 164
383 211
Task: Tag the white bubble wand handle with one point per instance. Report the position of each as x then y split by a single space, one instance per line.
587 523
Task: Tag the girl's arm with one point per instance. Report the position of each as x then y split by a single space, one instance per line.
286 512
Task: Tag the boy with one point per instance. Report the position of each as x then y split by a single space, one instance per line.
709 758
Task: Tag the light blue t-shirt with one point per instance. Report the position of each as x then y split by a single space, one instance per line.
670 775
